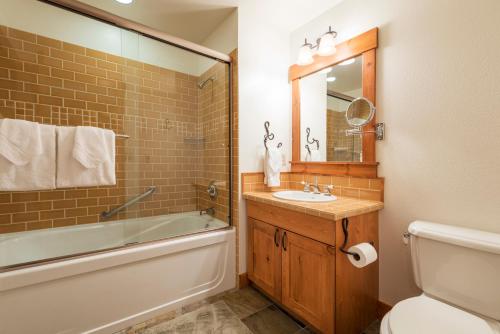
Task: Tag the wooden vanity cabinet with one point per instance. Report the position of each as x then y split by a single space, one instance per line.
307 276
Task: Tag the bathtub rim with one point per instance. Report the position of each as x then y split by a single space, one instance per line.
37 263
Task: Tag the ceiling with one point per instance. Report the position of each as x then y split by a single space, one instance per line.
349 77
194 20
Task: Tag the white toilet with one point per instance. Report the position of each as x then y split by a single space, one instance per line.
458 270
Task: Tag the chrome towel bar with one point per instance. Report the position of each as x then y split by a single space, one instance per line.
132 201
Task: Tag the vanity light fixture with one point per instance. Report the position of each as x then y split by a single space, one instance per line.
331 79
348 62
325 46
126 2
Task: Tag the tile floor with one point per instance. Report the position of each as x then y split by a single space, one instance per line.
244 311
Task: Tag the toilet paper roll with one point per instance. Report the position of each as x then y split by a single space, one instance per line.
367 254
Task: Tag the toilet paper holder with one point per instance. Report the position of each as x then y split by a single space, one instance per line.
345 229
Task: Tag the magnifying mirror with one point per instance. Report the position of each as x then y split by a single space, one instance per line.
360 112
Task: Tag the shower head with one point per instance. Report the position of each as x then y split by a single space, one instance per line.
202 84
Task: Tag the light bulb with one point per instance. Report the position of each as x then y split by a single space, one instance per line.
326 70
305 55
326 45
331 79
347 62
126 2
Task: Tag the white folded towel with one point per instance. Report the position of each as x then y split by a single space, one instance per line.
313 156
21 140
86 157
273 162
27 156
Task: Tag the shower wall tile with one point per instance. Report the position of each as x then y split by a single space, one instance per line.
178 133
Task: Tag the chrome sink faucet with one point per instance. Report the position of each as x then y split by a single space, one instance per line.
315 186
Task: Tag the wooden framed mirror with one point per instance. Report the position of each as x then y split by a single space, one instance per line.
321 93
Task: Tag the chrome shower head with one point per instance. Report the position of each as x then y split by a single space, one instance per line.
202 84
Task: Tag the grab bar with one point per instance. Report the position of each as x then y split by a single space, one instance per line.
110 213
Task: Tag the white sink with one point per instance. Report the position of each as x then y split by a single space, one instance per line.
301 196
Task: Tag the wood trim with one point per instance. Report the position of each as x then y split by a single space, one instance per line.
295 120
313 227
356 289
369 83
345 50
365 45
382 309
355 169
243 281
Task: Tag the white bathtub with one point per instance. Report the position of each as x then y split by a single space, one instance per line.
110 290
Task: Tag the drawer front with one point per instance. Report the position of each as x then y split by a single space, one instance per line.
313 227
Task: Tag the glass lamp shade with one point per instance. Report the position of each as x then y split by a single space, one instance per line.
305 55
327 44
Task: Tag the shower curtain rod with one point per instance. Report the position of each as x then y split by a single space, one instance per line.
121 22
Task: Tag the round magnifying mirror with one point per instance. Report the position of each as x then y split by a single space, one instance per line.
360 112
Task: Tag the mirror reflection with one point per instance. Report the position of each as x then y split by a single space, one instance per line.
324 99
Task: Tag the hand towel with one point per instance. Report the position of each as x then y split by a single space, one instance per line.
20 140
26 168
272 167
315 155
85 157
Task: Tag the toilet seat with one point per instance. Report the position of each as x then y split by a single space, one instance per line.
425 315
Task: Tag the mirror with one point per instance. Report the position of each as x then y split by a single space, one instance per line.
325 98
360 112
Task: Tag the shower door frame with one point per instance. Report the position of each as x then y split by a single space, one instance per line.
121 22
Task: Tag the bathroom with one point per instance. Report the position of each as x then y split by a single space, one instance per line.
228 193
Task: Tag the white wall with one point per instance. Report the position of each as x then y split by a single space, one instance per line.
438 91
50 21
313 100
224 39
264 93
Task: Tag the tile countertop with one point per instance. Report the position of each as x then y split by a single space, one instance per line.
343 207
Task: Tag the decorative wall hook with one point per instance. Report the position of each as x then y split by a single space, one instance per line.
269 136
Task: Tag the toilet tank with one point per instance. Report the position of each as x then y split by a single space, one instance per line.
457 265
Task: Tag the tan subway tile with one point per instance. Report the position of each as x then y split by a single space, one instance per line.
350 192
52 195
12 228
55 101
39 225
22 55
38 206
372 195
62 74
77 212
5 219
73 48
11 42
21 96
11 64
36 48
11 84
63 55
25 196
49 81
48 42
25 217
61 222
36 89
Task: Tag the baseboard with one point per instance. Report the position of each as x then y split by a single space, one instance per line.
243 281
382 309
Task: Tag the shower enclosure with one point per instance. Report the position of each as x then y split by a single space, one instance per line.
168 101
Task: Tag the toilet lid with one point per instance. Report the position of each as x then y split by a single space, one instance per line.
424 315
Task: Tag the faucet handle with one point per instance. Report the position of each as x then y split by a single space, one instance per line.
307 186
329 190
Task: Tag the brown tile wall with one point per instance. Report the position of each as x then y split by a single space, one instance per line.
348 147
54 82
347 186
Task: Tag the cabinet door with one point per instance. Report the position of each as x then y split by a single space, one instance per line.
309 280
264 257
